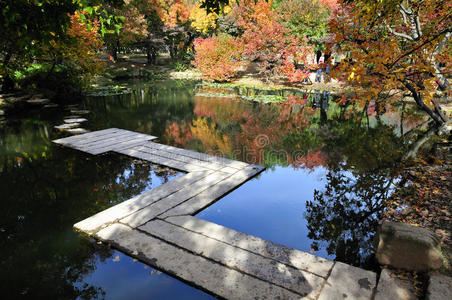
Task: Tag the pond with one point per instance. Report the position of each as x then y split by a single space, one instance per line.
326 182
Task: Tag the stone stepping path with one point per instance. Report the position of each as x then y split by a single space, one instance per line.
75 120
158 227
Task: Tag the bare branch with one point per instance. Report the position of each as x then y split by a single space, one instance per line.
399 34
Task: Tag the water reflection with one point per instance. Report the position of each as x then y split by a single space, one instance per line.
45 189
342 216
324 169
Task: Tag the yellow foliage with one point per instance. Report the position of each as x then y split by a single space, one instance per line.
201 20
209 136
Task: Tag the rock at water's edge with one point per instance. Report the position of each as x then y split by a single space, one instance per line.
408 247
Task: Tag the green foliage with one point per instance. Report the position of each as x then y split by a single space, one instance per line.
180 66
57 79
305 18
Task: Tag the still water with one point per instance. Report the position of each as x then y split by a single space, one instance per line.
327 178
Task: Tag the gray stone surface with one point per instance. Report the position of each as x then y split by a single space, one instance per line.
77 130
269 270
80 111
200 156
77 120
38 101
162 160
68 141
126 208
408 247
298 259
213 193
390 287
181 158
51 105
104 141
223 282
140 217
347 282
439 287
116 145
67 126
107 141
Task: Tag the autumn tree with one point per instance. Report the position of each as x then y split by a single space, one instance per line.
41 33
395 47
307 18
218 57
267 40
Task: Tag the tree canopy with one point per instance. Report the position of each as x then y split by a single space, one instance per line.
395 47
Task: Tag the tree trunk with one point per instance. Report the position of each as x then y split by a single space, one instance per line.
435 114
414 148
8 82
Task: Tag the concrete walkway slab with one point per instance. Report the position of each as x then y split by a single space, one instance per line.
201 272
266 269
298 259
158 227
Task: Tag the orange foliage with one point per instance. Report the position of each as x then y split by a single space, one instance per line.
393 46
82 52
218 58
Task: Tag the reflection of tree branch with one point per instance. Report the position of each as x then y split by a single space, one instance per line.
346 213
414 148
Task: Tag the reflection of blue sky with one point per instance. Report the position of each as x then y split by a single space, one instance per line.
271 207
121 277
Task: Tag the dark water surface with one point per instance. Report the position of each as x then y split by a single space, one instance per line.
326 181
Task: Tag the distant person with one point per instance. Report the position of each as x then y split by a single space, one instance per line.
318 75
326 76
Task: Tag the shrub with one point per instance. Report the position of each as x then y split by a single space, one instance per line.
218 57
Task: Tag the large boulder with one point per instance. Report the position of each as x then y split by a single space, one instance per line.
404 246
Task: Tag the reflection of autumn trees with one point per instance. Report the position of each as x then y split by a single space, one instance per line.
232 127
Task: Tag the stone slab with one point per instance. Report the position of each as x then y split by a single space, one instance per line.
113 214
142 216
297 259
51 105
390 287
214 192
298 281
182 158
347 282
199 271
72 139
200 156
77 130
77 120
439 287
108 140
104 139
67 126
80 111
162 160
38 101
118 145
